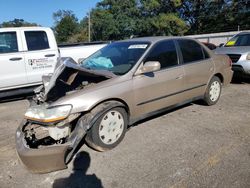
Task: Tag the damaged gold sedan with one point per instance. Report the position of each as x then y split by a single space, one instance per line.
126 81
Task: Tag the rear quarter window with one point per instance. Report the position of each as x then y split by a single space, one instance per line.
36 40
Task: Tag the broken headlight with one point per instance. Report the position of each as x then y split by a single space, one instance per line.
48 114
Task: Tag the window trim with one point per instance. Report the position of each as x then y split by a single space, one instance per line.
203 51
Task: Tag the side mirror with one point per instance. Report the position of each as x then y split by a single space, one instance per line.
80 60
221 44
149 66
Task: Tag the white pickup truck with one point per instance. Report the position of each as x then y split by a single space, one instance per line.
27 53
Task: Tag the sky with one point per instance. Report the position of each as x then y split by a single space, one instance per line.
41 12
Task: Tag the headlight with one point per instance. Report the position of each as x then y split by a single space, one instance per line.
46 115
248 56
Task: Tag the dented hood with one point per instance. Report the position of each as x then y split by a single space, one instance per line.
65 74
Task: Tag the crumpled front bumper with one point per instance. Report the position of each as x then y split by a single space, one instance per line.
48 158
42 160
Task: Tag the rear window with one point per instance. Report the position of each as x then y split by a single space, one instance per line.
8 42
191 50
239 40
36 40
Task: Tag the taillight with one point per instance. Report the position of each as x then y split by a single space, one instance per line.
248 56
230 62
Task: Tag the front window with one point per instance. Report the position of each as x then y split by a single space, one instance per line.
8 42
239 40
165 53
118 57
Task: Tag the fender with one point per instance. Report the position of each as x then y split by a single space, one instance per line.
85 123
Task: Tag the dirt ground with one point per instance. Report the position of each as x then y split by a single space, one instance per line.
192 146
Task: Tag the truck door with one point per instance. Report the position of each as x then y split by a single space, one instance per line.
12 64
40 56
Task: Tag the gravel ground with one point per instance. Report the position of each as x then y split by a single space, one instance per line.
192 146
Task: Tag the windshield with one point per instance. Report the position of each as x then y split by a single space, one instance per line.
239 40
118 57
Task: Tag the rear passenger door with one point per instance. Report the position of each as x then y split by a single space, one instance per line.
12 64
198 67
162 88
39 56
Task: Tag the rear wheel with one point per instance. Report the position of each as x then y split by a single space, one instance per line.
213 91
109 130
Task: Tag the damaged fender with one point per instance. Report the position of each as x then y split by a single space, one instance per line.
86 122
56 157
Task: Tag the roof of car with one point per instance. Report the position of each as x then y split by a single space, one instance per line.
156 38
35 28
243 33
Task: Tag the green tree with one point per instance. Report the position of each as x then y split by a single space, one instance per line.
161 17
115 20
17 23
121 19
66 25
214 16
82 34
168 24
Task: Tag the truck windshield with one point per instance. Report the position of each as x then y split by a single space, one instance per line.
239 40
118 57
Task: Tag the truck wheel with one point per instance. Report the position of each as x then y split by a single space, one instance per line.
109 130
213 91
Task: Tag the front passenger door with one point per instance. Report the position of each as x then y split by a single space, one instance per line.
13 72
160 89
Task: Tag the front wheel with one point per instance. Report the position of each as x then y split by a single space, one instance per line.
109 130
213 91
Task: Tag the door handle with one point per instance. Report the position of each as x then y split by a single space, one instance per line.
179 77
50 55
16 59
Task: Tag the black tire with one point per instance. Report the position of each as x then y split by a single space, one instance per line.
96 141
212 99
237 77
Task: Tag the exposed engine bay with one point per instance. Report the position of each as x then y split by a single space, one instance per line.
39 135
68 78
